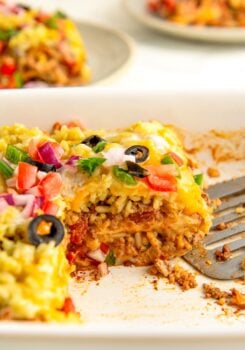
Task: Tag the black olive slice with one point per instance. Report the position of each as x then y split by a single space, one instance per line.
24 7
136 170
92 140
56 234
42 166
141 153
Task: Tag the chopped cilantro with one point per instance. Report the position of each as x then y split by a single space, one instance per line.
90 164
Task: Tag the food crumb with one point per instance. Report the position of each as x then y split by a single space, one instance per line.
232 298
175 274
224 254
239 210
222 226
213 172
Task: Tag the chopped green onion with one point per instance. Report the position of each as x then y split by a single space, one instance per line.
6 169
110 259
15 154
198 179
99 147
60 14
18 79
124 176
167 160
90 164
7 34
51 22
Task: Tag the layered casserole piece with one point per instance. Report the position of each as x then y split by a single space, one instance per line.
39 49
130 195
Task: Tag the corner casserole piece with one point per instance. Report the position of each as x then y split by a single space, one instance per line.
132 197
39 48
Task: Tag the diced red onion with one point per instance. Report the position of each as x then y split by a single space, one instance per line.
11 182
103 269
72 160
41 175
27 201
97 255
48 155
3 204
8 198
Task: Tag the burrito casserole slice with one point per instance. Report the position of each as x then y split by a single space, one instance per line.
39 48
132 197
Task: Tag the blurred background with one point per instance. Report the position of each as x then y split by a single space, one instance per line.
158 60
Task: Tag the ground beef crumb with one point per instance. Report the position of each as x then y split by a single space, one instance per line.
232 298
213 172
175 274
224 254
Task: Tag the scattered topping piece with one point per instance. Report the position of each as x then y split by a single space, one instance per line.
172 158
136 170
15 154
167 160
198 179
92 141
232 298
124 176
117 156
6 169
42 166
89 165
160 180
50 153
213 172
175 274
141 153
97 255
68 306
239 210
102 270
224 254
110 259
99 147
27 176
50 186
56 230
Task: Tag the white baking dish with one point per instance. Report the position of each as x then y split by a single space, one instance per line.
125 311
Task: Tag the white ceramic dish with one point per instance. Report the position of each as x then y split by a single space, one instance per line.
137 8
124 310
109 51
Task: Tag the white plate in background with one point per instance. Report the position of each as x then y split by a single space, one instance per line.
109 51
137 8
124 311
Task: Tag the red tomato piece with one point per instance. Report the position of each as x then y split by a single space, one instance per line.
68 306
50 186
8 67
2 46
71 256
27 176
33 149
50 208
176 158
104 247
161 181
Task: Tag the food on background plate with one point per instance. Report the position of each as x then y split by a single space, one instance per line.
40 49
77 200
217 13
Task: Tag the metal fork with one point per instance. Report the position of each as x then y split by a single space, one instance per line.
203 258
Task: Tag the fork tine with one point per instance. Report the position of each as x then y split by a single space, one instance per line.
238 244
231 203
227 218
227 188
216 236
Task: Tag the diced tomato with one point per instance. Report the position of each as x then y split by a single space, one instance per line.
154 5
68 306
8 67
2 46
71 256
32 149
104 247
42 17
76 123
176 158
161 181
27 176
169 5
50 208
50 186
